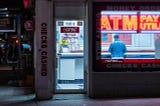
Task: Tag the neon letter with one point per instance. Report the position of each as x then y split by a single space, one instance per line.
155 17
129 22
116 21
149 18
105 24
142 18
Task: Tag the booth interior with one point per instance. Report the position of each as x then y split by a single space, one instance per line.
70 59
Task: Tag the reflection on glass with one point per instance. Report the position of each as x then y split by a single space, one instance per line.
137 29
15 54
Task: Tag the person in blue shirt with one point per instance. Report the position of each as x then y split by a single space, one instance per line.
117 48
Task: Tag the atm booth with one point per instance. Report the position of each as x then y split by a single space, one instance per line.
138 26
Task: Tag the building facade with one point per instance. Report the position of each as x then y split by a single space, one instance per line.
71 48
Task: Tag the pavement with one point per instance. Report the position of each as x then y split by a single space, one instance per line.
24 96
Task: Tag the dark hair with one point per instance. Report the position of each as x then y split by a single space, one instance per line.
116 36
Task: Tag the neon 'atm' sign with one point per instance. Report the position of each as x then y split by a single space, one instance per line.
130 22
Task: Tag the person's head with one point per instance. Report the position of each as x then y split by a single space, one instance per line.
116 37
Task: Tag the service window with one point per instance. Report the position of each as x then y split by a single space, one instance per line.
138 27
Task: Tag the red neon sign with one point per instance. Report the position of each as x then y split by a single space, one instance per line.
130 22
124 22
150 22
69 29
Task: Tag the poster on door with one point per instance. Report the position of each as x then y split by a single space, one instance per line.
70 36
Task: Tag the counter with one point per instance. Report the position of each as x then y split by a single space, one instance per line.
70 66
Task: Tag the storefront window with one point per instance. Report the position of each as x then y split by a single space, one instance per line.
137 31
136 26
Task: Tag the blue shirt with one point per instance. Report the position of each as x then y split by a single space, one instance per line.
117 49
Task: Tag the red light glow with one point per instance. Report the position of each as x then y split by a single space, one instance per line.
130 22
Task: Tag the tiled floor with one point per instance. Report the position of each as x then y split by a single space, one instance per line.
21 96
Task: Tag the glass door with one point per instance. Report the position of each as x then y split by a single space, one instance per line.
70 60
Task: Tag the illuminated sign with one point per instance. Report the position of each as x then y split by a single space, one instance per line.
130 22
69 29
7 25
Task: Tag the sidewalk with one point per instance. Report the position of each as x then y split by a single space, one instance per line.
14 96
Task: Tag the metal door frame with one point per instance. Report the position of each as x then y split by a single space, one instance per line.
57 61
